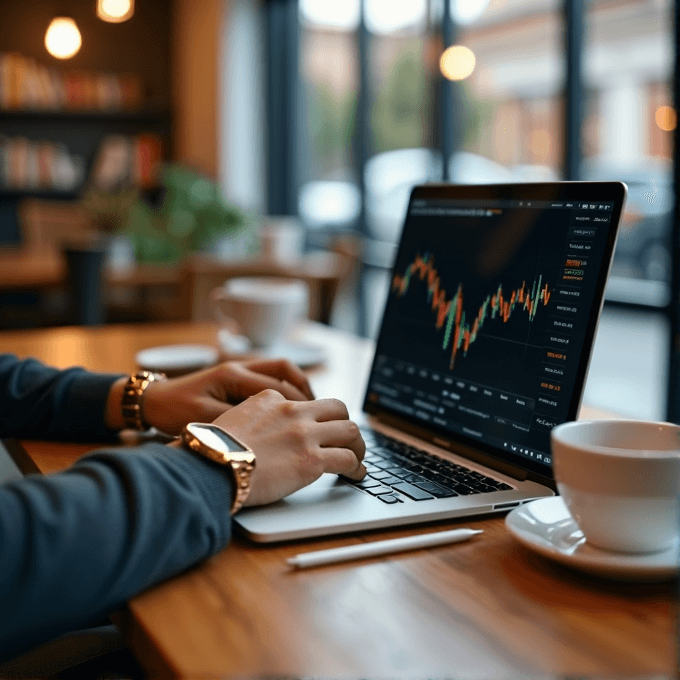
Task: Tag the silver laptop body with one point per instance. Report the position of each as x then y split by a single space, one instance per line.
484 346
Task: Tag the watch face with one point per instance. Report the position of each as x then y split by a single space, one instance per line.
216 438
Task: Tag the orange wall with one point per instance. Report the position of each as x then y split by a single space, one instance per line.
195 43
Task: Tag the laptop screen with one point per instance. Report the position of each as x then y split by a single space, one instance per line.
491 313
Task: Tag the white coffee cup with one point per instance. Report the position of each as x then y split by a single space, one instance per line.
620 480
263 309
281 238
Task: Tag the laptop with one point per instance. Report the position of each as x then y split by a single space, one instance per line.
484 346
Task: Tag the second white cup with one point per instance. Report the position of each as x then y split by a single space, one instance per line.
264 309
620 480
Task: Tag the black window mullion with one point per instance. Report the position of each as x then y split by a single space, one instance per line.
451 109
673 309
282 106
446 115
362 150
573 91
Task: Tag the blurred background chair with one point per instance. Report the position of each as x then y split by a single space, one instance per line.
329 274
47 225
33 271
59 246
59 240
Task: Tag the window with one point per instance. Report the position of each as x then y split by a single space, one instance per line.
628 64
328 195
512 101
402 76
377 116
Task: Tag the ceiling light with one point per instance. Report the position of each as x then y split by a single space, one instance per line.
62 39
115 11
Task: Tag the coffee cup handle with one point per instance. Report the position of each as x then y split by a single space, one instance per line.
217 297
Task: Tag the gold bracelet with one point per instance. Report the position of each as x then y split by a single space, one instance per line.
131 403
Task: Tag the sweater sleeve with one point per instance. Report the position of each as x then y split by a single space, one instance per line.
41 402
76 545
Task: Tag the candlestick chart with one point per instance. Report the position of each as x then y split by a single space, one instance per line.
461 329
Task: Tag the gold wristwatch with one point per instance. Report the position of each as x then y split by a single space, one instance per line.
133 392
214 443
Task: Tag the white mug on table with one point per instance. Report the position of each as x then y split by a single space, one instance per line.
263 309
620 480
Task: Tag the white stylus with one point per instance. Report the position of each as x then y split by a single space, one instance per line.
353 552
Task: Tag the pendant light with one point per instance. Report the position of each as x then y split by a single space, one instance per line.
115 11
63 39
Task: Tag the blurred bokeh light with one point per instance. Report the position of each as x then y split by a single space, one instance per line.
457 62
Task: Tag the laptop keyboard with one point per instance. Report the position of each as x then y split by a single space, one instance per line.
397 472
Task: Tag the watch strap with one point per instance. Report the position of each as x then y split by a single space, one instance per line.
242 471
133 392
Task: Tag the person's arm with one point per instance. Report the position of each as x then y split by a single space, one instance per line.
77 545
41 402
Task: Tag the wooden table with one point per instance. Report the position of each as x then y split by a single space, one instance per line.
178 291
486 608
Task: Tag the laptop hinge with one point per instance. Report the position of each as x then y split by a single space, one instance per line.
480 457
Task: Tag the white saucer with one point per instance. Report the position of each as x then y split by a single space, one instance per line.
302 355
547 527
177 359
299 353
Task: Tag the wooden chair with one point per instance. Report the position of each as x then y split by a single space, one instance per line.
170 292
37 262
325 272
47 226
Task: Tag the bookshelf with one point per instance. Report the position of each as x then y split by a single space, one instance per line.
49 153
53 121
46 117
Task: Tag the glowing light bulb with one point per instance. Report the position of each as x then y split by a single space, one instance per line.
457 62
115 11
62 39
666 118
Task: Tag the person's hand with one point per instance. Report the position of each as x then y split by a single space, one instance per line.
294 442
202 396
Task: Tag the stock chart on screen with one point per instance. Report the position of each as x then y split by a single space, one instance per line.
450 313
486 317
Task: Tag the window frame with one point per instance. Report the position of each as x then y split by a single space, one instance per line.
283 86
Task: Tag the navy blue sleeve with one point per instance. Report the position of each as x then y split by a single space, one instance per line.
41 402
76 545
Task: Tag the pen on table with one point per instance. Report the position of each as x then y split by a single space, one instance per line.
353 552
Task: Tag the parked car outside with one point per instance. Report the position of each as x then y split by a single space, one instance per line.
643 248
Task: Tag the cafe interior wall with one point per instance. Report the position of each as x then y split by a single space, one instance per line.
171 46
196 44
141 45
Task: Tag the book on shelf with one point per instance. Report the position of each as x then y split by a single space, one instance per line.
29 165
27 85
